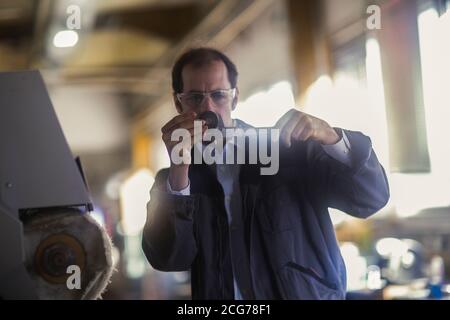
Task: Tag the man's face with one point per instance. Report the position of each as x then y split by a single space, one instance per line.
207 78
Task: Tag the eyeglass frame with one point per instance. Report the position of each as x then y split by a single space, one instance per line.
233 91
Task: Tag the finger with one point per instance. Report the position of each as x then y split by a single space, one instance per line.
305 134
186 125
178 119
198 137
175 122
286 131
167 137
303 130
200 133
285 118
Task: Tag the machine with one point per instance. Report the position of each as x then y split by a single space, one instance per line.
47 237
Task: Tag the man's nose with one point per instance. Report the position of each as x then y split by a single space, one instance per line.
207 104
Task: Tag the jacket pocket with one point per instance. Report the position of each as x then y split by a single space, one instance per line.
301 283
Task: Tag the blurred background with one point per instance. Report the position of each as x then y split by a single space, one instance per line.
383 70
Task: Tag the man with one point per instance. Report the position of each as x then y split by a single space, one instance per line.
249 236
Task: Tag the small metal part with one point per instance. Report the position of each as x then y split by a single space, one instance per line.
211 119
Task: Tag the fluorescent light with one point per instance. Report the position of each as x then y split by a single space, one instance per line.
379 131
434 53
65 39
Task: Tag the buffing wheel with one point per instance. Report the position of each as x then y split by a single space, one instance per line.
55 240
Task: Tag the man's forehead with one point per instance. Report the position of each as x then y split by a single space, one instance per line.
211 74
209 63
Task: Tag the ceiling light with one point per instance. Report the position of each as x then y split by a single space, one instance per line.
65 39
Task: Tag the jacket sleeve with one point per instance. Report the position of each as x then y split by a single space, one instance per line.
168 239
359 190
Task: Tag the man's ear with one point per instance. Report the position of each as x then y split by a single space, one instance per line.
235 100
177 104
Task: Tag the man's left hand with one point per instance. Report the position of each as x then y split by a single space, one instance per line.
295 125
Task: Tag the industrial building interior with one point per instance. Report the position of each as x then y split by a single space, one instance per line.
109 80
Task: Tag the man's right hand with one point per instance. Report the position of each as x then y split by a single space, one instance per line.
178 173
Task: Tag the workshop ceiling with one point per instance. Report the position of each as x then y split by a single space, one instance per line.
123 55
126 47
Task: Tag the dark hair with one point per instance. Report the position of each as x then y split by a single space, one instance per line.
199 57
